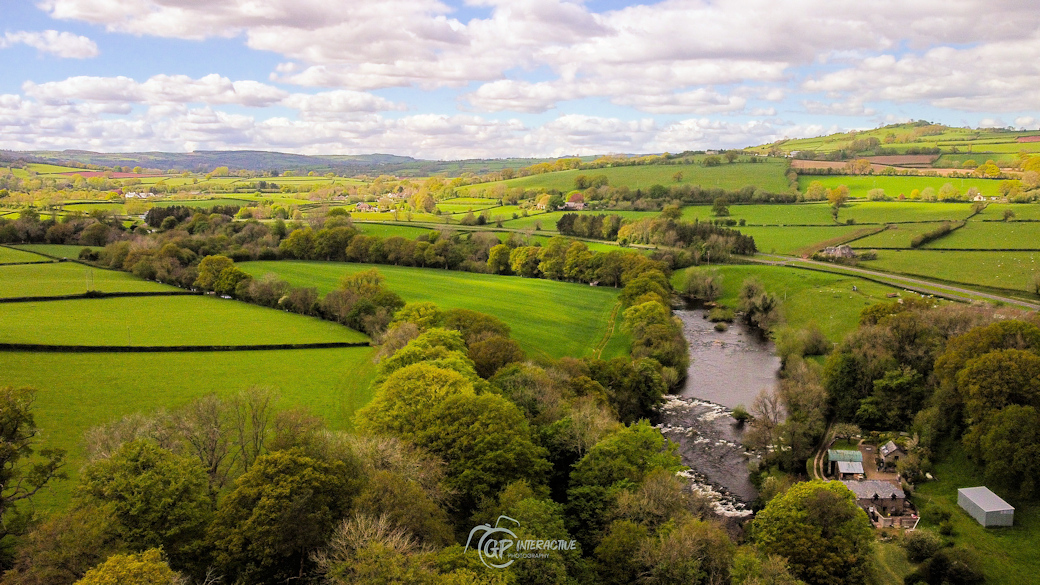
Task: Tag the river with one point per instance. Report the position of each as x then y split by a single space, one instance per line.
727 369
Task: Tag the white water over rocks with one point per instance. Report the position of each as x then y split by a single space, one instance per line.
726 369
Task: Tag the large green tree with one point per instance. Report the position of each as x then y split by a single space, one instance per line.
284 508
25 468
157 499
486 443
820 529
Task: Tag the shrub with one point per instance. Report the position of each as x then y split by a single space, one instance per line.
920 545
721 314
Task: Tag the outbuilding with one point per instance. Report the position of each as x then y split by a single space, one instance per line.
836 455
985 506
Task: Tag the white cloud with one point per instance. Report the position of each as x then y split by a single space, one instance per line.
159 89
26 123
331 103
736 60
850 107
61 44
1026 122
997 77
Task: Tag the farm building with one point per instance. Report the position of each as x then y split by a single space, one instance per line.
850 470
890 454
884 502
985 506
837 455
882 496
842 251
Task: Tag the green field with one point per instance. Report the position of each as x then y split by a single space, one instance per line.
963 140
44 169
547 221
453 208
79 391
176 320
791 240
477 201
1007 555
202 202
955 161
1007 270
780 214
401 216
1021 211
860 185
547 318
11 256
57 250
768 176
995 235
897 236
68 278
387 230
806 295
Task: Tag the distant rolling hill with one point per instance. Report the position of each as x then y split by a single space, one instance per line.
256 160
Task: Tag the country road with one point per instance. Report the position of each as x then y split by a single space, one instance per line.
914 284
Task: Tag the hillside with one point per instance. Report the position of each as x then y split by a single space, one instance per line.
948 147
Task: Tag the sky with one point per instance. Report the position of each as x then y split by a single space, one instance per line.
503 78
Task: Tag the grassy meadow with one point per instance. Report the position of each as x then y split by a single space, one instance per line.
549 318
768 176
1006 555
57 250
69 278
992 234
179 320
78 391
860 185
798 241
896 236
806 295
1004 270
13 256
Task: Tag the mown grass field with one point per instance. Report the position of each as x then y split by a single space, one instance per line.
68 278
896 236
1021 211
401 216
806 296
1007 270
202 202
990 234
768 176
547 221
860 185
957 160
80 391
791 240
547 318
453 208
57 250
789 214
384 230
478 201
1007 555
178 320
45 169
11 255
